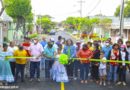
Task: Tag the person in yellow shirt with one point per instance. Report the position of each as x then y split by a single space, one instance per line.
89 44
20 62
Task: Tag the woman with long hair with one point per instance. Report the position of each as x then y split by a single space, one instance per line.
70 51
114 55
84 54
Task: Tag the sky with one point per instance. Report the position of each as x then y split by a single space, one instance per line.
61 9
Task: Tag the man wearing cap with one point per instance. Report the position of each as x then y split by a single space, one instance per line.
49 53
36 51
54 44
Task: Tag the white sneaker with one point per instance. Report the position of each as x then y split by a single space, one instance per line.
38 79
124 84
104 84
100 83
119 83
31 80
75 78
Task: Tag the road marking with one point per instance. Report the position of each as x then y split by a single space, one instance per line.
62 86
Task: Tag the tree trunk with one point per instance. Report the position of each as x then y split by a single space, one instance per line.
24 28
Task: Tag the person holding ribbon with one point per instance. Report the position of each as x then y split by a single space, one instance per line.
114 55
49 54
6 75
70 51
122 66
20 62
85 55
36 51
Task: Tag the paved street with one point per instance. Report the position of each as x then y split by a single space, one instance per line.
63 34
72 85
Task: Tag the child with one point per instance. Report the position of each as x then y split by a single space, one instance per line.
102 69
58 70
6 75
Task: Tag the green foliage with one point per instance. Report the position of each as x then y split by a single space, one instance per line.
117 12
20 11
30 26
33 35
126 10
46 22
78 23
18 8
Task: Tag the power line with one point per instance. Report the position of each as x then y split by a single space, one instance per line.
99 1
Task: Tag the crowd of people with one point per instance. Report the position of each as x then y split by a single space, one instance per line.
44 55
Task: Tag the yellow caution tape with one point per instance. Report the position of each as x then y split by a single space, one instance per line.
91 60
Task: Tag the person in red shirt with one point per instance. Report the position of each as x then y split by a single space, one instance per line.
84 54
114 55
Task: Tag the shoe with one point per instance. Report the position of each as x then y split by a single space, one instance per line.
124 83
119 83
97 82
104 84
75 78
38 79
31 80
81 81
100 83
86 81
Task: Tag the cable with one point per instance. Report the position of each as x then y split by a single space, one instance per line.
94 7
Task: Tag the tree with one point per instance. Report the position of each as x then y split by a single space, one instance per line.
45 22
82 24
126 10
20 11
117 12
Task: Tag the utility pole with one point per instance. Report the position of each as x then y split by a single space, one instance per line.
121 19
81 5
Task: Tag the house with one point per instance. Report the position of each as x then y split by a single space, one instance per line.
114 29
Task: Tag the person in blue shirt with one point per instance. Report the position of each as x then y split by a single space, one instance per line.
42 62
49 53
70 50
43 42
106 49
